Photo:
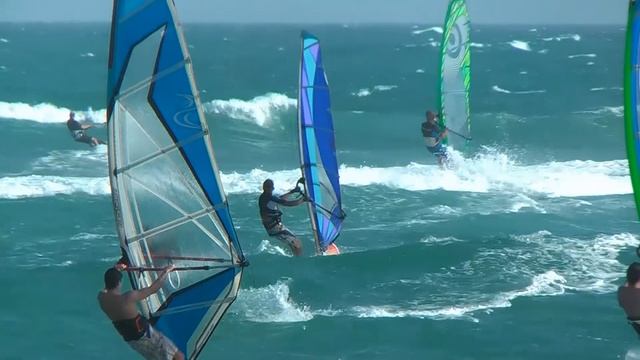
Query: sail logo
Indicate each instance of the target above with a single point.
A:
(188, 116)
(454, 45)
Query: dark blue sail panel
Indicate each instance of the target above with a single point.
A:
(168, 199)
(317, 146)
(178, 324)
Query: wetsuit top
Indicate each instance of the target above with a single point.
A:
(132, 329)
(431, 130)
(629, 300)
(73, 125)
(269, 211)
(431, 133)
(75, 128)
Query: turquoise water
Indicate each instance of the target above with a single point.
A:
(515, 254)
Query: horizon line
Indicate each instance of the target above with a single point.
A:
(320, 23)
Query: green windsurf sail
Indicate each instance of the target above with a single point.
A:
(455, 75)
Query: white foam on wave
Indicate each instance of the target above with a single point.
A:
(587, 265)
(546, 284)
(384, 87)
(377, 88)
(260, 110)
(582, 55)
(88, 54)
(439, 240)
(268, 247)
(615, 110)
(489, 171)
(436, 29)
(520, 45)
(420, 71)
(486, 172)
(48, 113)
(497, 88)
(522, 201)
(42, 186)
(479, 45)
(574, 37)
(362, 92)
(613, 88)
(72, 160)
(271, 303)
(580, 265)
(3, 40)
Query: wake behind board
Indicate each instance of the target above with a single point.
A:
(318, 149)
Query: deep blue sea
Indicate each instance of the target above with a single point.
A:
(514, 254)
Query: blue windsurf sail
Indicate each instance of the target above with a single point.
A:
(317, 146)
(169, 204)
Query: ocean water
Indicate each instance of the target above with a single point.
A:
(515, 254)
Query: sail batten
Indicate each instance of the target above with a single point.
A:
(168, 199)
(318, 159)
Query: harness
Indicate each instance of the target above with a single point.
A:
(431, 133)
(77, 134)
(132, 329)
(270, 217)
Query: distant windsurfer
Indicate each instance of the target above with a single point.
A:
(79, 133)
(135, 328)
(629, 296)
(433, 135)
(271, 214)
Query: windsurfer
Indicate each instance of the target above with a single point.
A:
(433, 135)
(271, 214)
(135, 328)
(78, 131)
(629, 296)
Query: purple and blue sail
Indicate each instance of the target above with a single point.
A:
(318, 147)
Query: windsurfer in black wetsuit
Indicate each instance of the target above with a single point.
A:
(433, 135)
(78, 131)
(629, 296)
(271, 214)
(123, 312)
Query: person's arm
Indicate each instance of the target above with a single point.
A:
(295, 202)
(137, 295)
(282, 199)
(284, 202)
(86, 126)
(444, 133)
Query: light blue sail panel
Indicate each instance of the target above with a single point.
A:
(317, 146)
(168, 199)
